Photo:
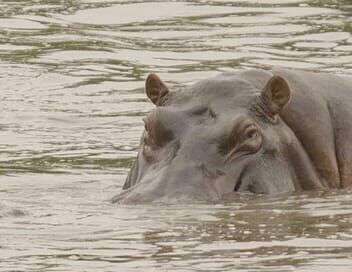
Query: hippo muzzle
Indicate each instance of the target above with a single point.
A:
(175, 183)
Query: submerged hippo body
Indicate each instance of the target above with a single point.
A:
(255, 131)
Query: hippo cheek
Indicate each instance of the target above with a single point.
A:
(232, 177)
(267, 177)
(259, 174)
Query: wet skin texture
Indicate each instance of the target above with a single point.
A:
(256, 131)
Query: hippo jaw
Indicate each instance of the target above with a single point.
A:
(217, 145)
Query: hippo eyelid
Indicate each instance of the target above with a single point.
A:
(147, 121)
(212, 113)
(156, 134)
(200, 110)
(244, 139)
(249, 130)
(241, 128)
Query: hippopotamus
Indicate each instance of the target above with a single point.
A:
(253, 131)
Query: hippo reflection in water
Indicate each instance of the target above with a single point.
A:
(256, 131)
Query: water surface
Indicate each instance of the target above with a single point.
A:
(72, 76)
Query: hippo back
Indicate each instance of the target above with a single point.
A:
(320, 114)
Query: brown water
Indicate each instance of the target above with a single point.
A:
(71, 79)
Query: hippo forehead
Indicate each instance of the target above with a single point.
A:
(220, 95)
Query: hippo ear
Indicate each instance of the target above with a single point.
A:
(155, 88)
(276, 95)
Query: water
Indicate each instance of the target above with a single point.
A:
(72, 101)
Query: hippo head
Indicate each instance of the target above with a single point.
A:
(218, 136)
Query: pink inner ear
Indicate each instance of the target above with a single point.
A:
(155, 88)
(277, 93)
(153, 81)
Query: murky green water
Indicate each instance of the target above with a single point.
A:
(71, 79)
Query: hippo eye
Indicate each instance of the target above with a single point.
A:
(155, 134)
(252, 139)
(148, 139)
(251, 134)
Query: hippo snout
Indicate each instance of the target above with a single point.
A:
(182, 184)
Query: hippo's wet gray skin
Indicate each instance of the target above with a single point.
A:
(255, 131)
